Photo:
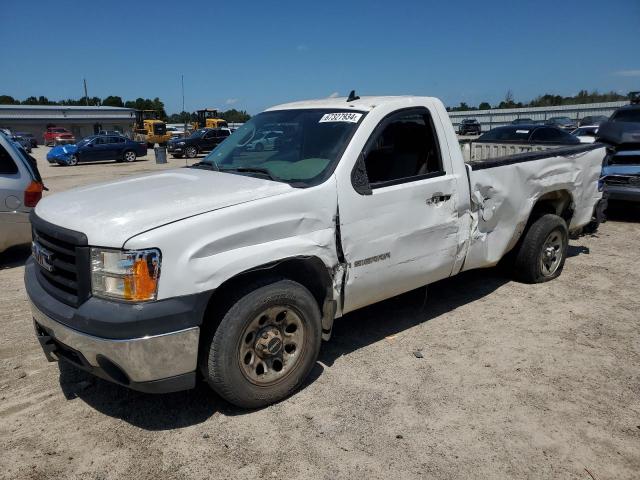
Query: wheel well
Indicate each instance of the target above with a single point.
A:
(310, 272)
(558, 202)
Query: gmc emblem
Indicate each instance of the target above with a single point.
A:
(42, 256)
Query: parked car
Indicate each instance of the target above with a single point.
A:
(564, 123)
(529, 134)
(593, 120)
(24, 142)
(586, 134)
(265, 140)
(621, 170)
(469, 126)
(176, 132)
(97, 148)
(201, 140)
(621, 175)
(20, 190)
(30, 137)
(110, 132)
(523, 121)
(58, 136)
(234, 269)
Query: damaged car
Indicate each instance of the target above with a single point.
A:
(234, 269)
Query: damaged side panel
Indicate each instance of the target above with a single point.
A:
(226, 242)
(504, 196)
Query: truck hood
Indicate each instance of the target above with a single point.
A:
(111, 213)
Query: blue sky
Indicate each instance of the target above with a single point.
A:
(250, 55)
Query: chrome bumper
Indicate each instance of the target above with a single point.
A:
(145, 359)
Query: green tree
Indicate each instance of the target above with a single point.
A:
(8, 100)
(235, 116)
(113, 101)
(484, 106)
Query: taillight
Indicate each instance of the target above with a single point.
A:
(33, 194)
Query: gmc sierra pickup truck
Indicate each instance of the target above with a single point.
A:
(234, 269)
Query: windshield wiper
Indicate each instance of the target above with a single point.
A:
(262, 171)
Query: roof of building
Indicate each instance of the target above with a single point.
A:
(49, 112)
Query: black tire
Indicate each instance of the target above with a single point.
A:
(529, 261)
(176, 156)
(220, 361)
(191, 152)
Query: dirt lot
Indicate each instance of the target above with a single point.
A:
(517, 381)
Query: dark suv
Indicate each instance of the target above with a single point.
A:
(469, 126)
(200, 141)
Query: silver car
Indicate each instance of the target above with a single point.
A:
(20, 190)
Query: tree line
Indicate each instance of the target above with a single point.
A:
(233, 115)
(546, 100)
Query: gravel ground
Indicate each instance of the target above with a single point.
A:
(515, 381)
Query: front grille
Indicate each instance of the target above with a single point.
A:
(617, 180)
(68, 280)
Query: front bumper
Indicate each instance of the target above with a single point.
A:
(151, 347)
(175, 149)
(629, 194)
(154, 364)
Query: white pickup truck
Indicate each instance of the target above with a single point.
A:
(234, 269)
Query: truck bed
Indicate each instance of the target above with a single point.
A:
(482, 151)
(504, 190)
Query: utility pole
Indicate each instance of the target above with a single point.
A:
(86, 95)
(183, 112)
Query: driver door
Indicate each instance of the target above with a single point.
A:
(398, 218)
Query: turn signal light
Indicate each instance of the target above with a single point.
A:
(33, 194)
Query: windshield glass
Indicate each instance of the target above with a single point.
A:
(198, 133)
(631, 115)
(296, 146)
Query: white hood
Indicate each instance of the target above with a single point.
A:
(110, 213)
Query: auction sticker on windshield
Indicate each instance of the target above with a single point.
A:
(341, 117)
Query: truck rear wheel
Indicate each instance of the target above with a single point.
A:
(543, 250)
(265, 345)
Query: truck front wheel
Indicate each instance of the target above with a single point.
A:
(265, 345)
(543, 250)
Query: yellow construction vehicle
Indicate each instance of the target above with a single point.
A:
(150, 129)
(209, 118)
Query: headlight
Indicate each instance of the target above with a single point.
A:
(180, 143)
(130, 275)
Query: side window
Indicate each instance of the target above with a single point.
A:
(7, 165)
(224, 133)
(100, 141)
(209, 135)
(403, 148)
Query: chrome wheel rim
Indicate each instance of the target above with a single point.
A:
(271, 346)
(191, 152)
(73, 160)
(552, 252)
(129, 156)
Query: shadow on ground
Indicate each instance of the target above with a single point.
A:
(372, 324)
(623, 211)
(14, 257)
(354, 331)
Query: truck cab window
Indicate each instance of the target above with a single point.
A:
(404, 148)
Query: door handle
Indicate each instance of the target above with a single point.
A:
(438, 198)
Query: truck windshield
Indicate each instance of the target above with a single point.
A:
(295, 146)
